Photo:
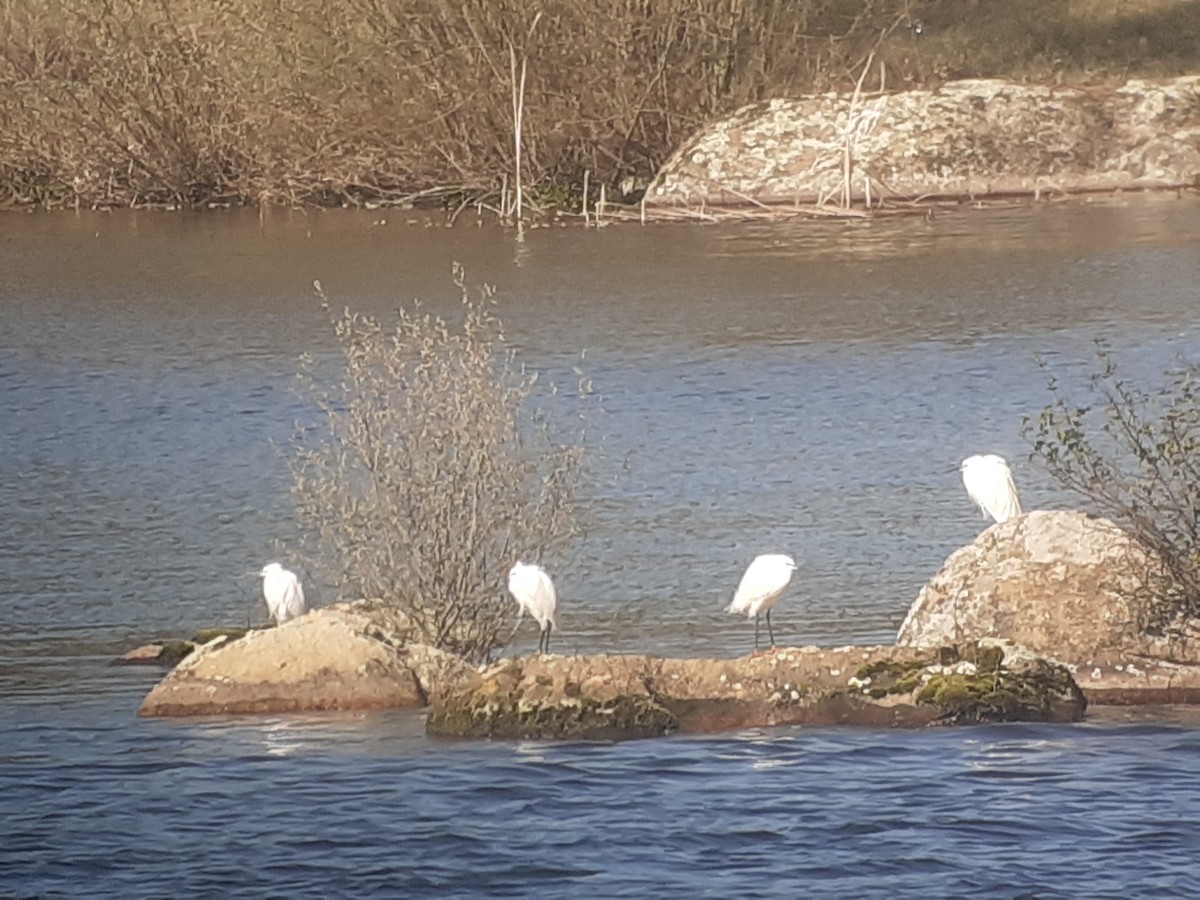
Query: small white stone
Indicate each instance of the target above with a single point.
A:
(1096, 673)
(737, 686)
(835, 672)
(795, 695)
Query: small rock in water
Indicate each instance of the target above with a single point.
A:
(168, 653)
(146, 655)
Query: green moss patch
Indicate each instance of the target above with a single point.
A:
(887, 676)
(985, 691)
(1038, 692)
(174, 651)
(476, 714)
(204, 635)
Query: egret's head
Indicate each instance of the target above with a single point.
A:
(270, 568)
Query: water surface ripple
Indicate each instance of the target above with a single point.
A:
(807, 388)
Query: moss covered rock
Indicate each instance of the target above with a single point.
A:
(985, 681)
(602, 697)
(615, 697)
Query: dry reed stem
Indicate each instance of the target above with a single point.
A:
(586, 174)
(852, 134)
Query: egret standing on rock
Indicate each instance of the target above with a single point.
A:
(989, 483)
(283, 593)
(533, 590)
(761, 587)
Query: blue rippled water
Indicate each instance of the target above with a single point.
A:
(807, 388)
(353, 805)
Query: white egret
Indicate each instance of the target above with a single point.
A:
(534, 592)
(989, 484)
(283, 593)
(761, 587)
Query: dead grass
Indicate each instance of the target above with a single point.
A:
(137, 102)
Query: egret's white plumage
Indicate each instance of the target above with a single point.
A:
(765, 580)
(534, 592)
(989, 483)
(283, 593)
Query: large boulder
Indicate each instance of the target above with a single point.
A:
(1068, 586)
(332, 658)
(969, 138)
(613, 697)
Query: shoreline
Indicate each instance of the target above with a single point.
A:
(926, 207)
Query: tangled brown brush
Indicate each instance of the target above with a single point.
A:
(433, 475)
(1135, 455)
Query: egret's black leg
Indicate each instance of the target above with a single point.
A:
(756, 634)
(769, 631)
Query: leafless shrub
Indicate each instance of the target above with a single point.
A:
(1136, 457)
(430, 479)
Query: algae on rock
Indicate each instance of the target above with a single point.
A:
(972, 684)
(614, 697)
(581, 719)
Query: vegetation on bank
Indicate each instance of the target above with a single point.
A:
(149, 102)
(430, 473)
(1135, 456)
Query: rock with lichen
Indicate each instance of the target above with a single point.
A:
(1071, 588)
(1068, 586)
(972, 138)
(615, 697)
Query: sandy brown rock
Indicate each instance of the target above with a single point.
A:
(1062, 583)
(436, 670)
(974, 138)
(614, 697)
(145, 655)
(1118, 679)
(170, 652)
(327, 659)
